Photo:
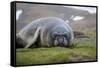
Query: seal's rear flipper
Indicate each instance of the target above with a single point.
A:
(20, 43)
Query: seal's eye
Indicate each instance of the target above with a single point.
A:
(54, 34)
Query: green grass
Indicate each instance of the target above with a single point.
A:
(78, 53)
(84, 49)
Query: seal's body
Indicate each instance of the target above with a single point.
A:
(49, 31)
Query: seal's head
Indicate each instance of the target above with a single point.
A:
(60, 37)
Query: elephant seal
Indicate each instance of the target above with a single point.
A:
(47, 32)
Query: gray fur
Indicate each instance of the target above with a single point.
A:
(43, 28)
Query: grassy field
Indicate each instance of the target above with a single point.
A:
(84, 50)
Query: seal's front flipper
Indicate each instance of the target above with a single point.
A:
(36, 34)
